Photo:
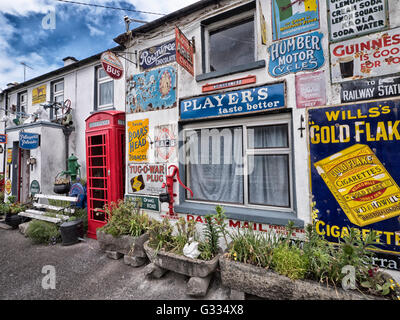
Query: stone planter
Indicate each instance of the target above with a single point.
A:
(199, 270)
(131, 248)
(270, 285)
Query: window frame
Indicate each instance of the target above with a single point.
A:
(22, 105)
(259, 120)
(57, 93)
(99, 81)
(227, 23)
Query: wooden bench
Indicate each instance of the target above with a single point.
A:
(46, 208)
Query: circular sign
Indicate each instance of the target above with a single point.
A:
(165, 143)
(112, 65)
(7, 186)
(35, 187)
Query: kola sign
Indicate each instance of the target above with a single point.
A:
(112, 65)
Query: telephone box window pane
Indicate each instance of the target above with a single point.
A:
(98, 172)
(97, 183)
(97, 151)
(98, 194)
(96, 140)
(232, 46)
(269, 180)
(97, 161)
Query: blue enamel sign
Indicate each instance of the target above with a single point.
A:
(158, 55)
(290, 17)
(28, 140)
(249, 100)
(3, 138)
(355, 172)
(302, 53)
(151, 90)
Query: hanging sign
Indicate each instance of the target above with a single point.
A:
(8, 186)
(228, 84)
(354, 178)
(112, 65)
(29, 140)
(364, 57)
(35, 187)
(146, 202)
(310, 89)
(264, 98)
(152, 90)
(302, 53)
(3, 138)
(354, 18)
(145, 178)
(9, 156)
(369, 89)
(39, 94)
(166, 144)
(292, 17)
(138, 131)
(157, 55)
(184, 51)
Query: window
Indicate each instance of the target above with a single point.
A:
(240, 164)
(22, 103)
(229, 40)
(104, 89)
(58, 91)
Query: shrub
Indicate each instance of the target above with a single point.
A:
(43, 232)
(290, 261)
(126, 219)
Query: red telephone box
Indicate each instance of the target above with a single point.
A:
(105, 164)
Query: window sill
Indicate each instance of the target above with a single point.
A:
(243, 214)
(241, 68)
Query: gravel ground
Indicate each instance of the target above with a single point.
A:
(83, 272)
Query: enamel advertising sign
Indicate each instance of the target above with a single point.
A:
(184, 51)
(138, 142)
(39, 94)
(146, 178)
(263, 98)
(354, 18)
(157, 55)
(28, 140)
(302, 53)
(354, 178)
(112, 65)
(293, 17)
(310, 89)
(364, 57)
(151, 90)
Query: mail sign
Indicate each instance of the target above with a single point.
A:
(264, 98)
(29, 140)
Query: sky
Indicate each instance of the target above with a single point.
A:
(41, 33)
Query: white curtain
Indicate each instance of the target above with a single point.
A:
(216, 164)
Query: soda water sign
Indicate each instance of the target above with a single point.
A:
(302, 53)
(28, 140)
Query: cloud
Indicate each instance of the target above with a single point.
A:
(94, 31)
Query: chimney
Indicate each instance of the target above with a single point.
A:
(69, 60)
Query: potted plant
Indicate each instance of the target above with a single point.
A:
(11, 210)
(279, 268)
(61, 185)
(125, 232)
(186, 251)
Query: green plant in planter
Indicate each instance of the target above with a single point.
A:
(43, 232)
(11, 199)
(126, 219)
(290, 261)
(4, 208)
(16, 208)
(160, 235)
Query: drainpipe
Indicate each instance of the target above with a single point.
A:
(67, 132)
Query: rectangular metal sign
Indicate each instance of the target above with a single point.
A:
(184, 51)
(354, 173)
(290, 17)
(157, 55)
(354, 18)
(310, 89)
(146, 178)
(29, 140)
(138, 143)
(146, 202)
(364, 57)
(263, 98)
(3, 138)
(369, 89)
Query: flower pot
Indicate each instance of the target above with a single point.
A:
(122, 244)
(271, 285)
(71, 231)
(13, 220)
(181, 264)
(62, 188)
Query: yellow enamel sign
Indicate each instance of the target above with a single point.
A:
(39, 94)
(360, 183)
(138, 141)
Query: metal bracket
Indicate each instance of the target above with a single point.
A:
(301, 128)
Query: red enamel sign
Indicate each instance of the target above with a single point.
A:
(112, 65)
(184, 51)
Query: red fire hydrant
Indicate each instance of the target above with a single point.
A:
(169, 195)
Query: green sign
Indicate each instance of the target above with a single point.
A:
(35, 187)
(146, 202)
